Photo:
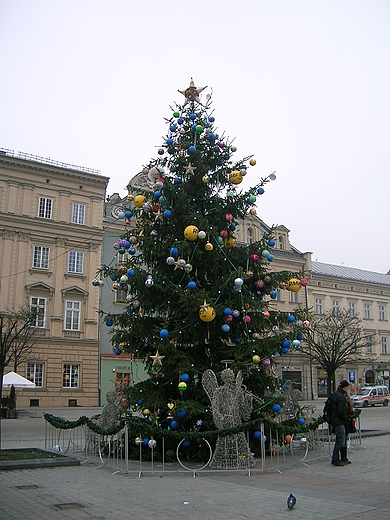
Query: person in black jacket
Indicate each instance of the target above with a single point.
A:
(339, 419)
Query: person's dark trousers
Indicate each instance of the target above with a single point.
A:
(339, 444)
(344, 458)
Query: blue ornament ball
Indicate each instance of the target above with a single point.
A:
(212, 138)
(109, 322)
(300, 337)
(301, 420)
(193, 127)
(174, 425)
(186, 443)
(291, 318)
(131, 273)
(276, 408)
(191, 150)
(211, 119)
(191, 286)
(185, 378)
(257, 435)
(167, 214)
(260, 191)
(172, 128)
(117, 351)
(145, 441)
(270, 257)
(285, 350)
(286, 343)
(128, 214)
(271, 242)
(227, 311)
(181, 413)
(164, 333)
(169, 141)
(157, 194)
(113, 277)
(174, 251)
(225, 328)
(192, 117)
(176, 180)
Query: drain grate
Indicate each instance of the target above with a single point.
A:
(71, 505)
(28, 486)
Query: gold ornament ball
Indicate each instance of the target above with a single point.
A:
(294, 285)
(253, 211)
(209, 246)
(182, 386)
(252, 162)
(256, 358)
(230, 242)
(205, 179)
(139, 201)
(235, 177)
(206, 314)
(191, 233)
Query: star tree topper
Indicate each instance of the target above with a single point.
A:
(192, 93)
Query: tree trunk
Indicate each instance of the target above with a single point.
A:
(330, 383)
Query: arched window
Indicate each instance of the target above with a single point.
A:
(370, 379)
(281, 244)
(249, 236)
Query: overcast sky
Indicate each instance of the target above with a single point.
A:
(302, 85)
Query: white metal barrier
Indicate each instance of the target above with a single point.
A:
(112, 451)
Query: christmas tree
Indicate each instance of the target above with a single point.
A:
(198, 302)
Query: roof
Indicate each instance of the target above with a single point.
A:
(350, 273)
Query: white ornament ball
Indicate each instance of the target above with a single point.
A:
(201, 235)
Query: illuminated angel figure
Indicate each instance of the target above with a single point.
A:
(230, 405)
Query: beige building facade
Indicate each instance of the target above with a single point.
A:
(51, 229)
(330, 288)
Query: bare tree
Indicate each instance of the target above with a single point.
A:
(17, 337)
(334, 340)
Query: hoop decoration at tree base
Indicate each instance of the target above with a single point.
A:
(191, 469)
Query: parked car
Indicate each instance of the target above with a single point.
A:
(371, 395)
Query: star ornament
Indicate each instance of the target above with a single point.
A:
(192, 93)
(190, 169)
(157, 359)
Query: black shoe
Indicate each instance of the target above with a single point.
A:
(346, 461)
(336, 462)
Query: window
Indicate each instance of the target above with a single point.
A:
(41, 257)
(367, 311)
(120, 296)
(280, 242)
(249, 236)
(319, 306)
(38, 307)
(72, 315)
(70, 376)
(35, 373)
(122, 259)
(122, 380)
(293, 297)
(75, 263)
(336, 307)
(352, 309)
(369, 345)
(44, 209)
(78, 212)
(382, 312)
(384, 344)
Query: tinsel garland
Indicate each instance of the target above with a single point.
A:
(142, 427)
(64, 424)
